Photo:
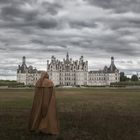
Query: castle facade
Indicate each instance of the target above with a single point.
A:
(70, 73)
(27, 75)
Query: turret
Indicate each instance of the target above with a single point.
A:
(112, 60)
(112, 67)
(23, 60)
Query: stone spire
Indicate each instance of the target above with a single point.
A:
(67, 57)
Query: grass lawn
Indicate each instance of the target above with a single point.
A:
(84, 114)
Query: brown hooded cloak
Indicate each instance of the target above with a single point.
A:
(43, 117)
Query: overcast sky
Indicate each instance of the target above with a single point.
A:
(97, 29)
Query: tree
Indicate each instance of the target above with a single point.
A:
(123, 77)
(134, 78)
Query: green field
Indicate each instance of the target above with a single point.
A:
(84, 114)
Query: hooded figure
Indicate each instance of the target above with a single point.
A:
(43, 117)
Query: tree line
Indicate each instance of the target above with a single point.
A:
(123, 78)
(126, 81)
(10, 83)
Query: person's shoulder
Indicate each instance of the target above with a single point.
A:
(47, 83)
(38, 82)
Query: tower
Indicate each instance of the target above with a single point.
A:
(23, 66)
(112, 60)
(23, 60)
(67, 57)
(112, 67)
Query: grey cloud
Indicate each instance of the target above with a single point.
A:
(7, 1)
(47, 43)
(9, 68)
(49, 23)
(82, 24)
(44, 24)
(120, 6)
(118, 47)
(14, 17)
(37, 41)
(117, 23)
(107, 44)
(126, 62)
(13, 1)
(5, 72)
(32, 50)
(2, 48)
(11, 10)
(125, 23)
(52, 8)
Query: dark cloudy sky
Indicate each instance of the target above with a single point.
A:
(97, 29)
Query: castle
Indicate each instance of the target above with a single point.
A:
(70, 73)
(27, 75)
